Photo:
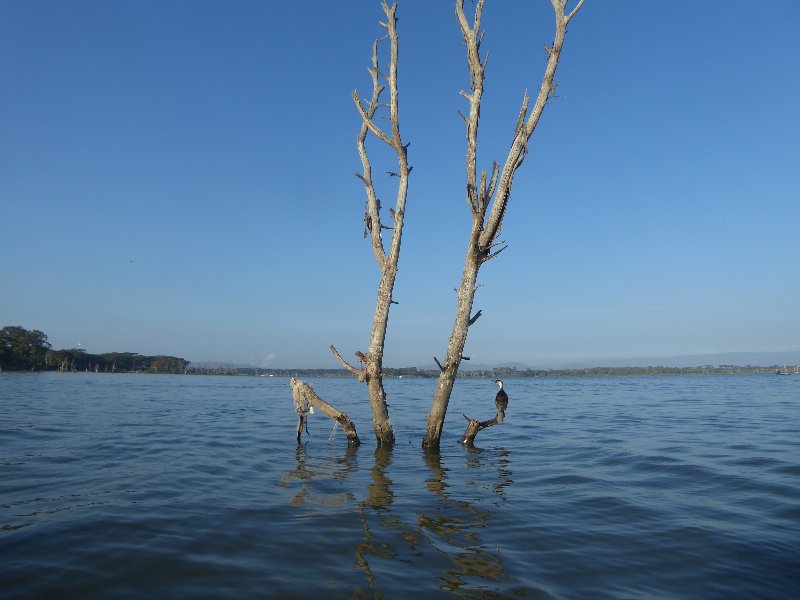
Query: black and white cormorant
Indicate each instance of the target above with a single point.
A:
(501, 400)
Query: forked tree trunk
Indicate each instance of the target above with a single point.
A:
(474, 427)
(494, 190)
(305, 397)
(372, 371)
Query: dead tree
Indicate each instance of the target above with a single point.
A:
(306, 399)
(474, 427)
(372, 371)
(489, 194)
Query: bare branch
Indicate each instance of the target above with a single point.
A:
(476, 25)
(372, 217)
(475, 317)
(574, 11)
(438, 364)
(368, 121)
(493, 254)
(521, 156)
(357, 372)
(519, 149)
(523, 112)
(488, 191)
(472, 37)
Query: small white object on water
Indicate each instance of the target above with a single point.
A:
(333, 432)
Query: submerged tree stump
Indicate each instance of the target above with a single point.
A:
(306, 399)
(474, 427)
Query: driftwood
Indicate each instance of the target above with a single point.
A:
(474, 427)
(306, 399)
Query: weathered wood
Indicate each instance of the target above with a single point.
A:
(360, 373)
(305, 398)
(519, 147)
(474, 427)
(302, 423)
(481, 193)
(372, 372)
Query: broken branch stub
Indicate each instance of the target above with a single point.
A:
(305, 398)
(474, 427)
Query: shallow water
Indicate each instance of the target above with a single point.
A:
(179, 486)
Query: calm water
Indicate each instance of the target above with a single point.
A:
(128, 486)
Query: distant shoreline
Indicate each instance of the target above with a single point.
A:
(504, 372)
(417, 373)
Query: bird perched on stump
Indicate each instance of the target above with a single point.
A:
(501, 400)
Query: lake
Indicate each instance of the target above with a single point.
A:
(131, 486)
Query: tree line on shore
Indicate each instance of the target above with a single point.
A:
(28, 350)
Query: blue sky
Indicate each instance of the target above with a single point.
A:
(176, 177)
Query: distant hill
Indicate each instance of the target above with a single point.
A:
(739, 359)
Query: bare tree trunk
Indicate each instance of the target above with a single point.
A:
(495, 189)
(372, 371)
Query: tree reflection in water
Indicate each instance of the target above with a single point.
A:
(444, 541)
(477, 460)
(415, 538)
(379, 500)
(453, 531)
(338, 468)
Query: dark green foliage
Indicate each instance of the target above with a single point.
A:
(23, 350)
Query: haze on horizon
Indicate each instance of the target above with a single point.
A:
(177, 178)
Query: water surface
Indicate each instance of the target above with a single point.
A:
(179, 486)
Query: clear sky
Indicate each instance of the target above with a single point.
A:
(176, 177)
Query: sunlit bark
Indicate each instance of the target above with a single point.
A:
(305, 398)
(487, 194)
(372, 370)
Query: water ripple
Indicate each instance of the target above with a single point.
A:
(128, 486)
